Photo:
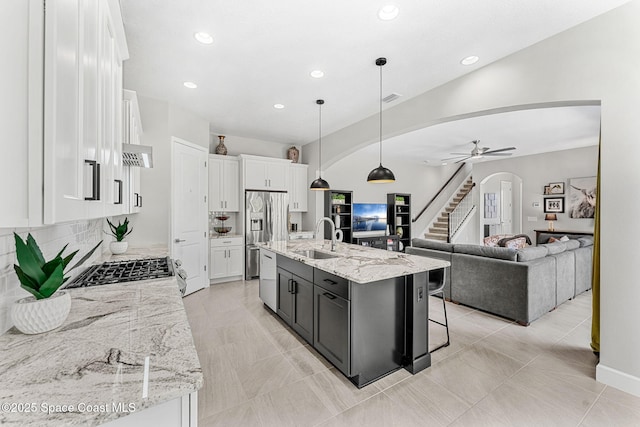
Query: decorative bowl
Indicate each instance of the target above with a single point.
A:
(222, 230)
(222, 217)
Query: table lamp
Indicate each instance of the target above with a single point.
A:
(550, 218)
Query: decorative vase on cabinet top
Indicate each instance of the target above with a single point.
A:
(221, 148)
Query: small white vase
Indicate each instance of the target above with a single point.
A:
(35, 316)
(118, 248)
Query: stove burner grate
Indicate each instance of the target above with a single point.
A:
(124, 271)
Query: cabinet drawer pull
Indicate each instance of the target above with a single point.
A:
(328, 295)
(329, 281)
(119, 200)
(95, 180)
(289, 285)
(267, 256)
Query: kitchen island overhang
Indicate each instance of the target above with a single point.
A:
(369, 306)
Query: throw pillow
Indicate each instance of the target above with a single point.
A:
(564, 238)
(517, 243)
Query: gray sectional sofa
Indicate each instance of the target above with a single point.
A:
(519, 284)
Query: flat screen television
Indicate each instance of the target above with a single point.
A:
(369, 219)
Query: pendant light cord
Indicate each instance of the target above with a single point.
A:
(381, 115)
(320, 140)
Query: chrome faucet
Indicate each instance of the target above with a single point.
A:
(333, 231)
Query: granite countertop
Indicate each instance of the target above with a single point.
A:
(224, 236)
(155, 251)
(357, 263)
(96, 360)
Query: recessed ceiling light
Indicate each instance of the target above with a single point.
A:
(190, 85)
(444, 163)
(316, 74)
(388, 12)
(204, 38)
(278, 106)
(469, 60)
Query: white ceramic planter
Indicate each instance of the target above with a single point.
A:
(35, 316)
(118, 248)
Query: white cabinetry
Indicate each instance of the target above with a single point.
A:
(84, 50)
(132, 129)
(298, 189)
(224, 183)
(226, 259)
(263, 173)
(21, 109)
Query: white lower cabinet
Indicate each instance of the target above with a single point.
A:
(225, 259)
(179, 412)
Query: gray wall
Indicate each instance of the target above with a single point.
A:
(539, 170)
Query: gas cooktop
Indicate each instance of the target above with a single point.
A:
(124, 271)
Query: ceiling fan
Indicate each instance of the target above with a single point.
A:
(479, 152)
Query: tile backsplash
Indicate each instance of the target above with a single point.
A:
(81, 235)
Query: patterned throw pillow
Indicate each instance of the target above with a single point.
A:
(517, 243)
(493, 240)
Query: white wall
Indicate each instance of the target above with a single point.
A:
(596, 60)
(161, 121)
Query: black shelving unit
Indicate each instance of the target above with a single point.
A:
(399, 217)
(344, 211)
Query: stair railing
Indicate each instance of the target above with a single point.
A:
(459, 214)
(438, 193)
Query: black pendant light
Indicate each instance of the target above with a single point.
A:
(381, 175)
(319, 184)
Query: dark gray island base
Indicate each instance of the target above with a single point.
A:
(365, 329)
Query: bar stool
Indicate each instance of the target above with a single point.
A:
(436, 286)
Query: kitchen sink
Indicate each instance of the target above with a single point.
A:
(313, 254)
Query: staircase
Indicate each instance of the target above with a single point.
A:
(439, 230)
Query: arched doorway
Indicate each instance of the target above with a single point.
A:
(500, 204)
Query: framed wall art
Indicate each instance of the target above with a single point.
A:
(554, 205)
(556, 188)
(582, 197)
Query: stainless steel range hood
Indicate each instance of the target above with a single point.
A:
(137, 155)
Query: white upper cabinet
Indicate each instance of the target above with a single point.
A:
(263, 173)
(84, 50)
(132, 131)
(298, 188)
(21, 44)
(224, 183)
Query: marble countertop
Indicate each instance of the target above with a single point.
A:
(214, 236)
(357, 263)
(96, 359)
(155, 251)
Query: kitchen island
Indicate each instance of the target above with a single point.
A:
(365, 310)
(125, 349)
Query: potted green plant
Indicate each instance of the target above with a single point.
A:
(46, 309)
(337, 199)
(400, 200)
(119, 246)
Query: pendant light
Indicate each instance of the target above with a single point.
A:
(381, 175)
(319, 184)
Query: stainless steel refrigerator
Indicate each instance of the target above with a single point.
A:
(266, 219)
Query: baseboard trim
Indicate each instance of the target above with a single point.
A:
(617, 379)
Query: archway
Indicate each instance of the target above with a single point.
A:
(500, 203)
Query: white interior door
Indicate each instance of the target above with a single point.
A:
(189, 211)
(506, 207)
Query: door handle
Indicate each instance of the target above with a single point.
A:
(139, 201)
(293, 286)
(137, 197)
(179, 240)
(328, 295)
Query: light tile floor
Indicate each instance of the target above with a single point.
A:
(258, 372)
